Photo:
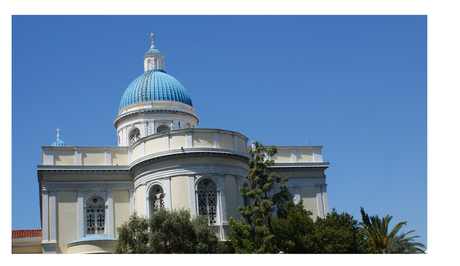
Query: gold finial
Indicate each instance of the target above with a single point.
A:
(151, 37)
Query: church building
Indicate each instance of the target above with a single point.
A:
(163, 160)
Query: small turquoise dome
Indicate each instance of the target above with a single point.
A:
(155, 85)
(58, 142)
(153, 50)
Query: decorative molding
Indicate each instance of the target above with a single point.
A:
(199, 169)
(199, 151)
(311, 165)
(155, 110)
(88, 186)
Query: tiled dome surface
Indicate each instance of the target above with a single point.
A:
(58, 142)
(155, 85)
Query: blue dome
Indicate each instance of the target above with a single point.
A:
(153, 50)
(155, 85)
(58, 142)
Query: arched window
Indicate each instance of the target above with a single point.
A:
(156, 198)
(95, 215)
(135, 135)
(163, 128)
(207, 200)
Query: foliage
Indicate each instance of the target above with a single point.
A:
(266, 190)
(401, 245)
(241, 237)
(132, 236)
(167, 232)
(293, 228)
(337, 233)
(296, 232)
(375, 230)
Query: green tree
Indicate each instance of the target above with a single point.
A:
(241, 237)
(167, 232)
(266, 190)
(375, 231)
(336, 233)
(293, 228)
(133, 236)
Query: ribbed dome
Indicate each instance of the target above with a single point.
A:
(155, 85)
(58, 142)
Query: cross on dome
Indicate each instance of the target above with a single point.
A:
(151, 37)
(58, 142)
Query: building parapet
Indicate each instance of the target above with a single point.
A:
(150, 146)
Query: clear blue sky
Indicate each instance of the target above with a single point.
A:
(357, 85)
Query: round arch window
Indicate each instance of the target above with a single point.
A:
(135, 135)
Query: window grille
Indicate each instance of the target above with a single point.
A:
(163, 128)
(95, 216)
(135, 135)
(207, 200)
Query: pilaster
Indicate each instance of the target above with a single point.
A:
(167, 188)
(223, 206)
(110, 221)
(146, 199)
(325, 203)
(52, 222)
(81, 214)
(166, 142)
(108, 157)
(192, 193)
(45, 215)
(131, 201)
(78, 157)
(189, 139)
(216, 140)
(319, 201)
(293, 156)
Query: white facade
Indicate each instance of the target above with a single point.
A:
(162, 160)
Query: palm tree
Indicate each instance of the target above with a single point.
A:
(401, 244)
(376, 231)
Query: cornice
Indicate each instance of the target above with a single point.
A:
(196, 169)
(153, 110)
(168, 154)
(300, 166)
(79, 168)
